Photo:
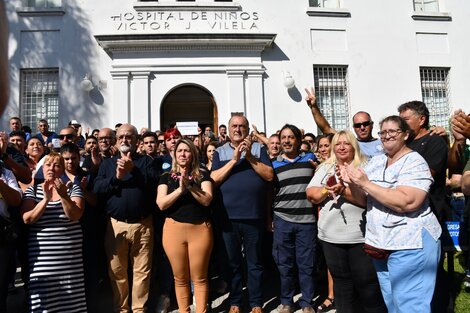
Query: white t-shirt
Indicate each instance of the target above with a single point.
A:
(10, 179)
(341, 222)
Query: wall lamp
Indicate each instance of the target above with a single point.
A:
(87, 83)
(289, 81)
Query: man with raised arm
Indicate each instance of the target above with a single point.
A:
(362, 125)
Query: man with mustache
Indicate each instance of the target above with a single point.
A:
(242, 170)
(126, 185)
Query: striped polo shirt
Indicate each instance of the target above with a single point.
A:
(292, 178)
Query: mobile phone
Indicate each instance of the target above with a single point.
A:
(331, 181)
(55, 143)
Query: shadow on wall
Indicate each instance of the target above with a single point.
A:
(276, 54)
(65, 42)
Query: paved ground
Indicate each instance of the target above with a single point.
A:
(17, 302)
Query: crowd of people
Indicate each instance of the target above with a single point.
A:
(156, 217)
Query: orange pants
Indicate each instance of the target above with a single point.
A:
(188, 247)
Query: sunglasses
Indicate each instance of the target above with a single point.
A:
(359, 125)
(68, 136)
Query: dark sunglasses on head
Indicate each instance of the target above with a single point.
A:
(68, 136)
(365, 124)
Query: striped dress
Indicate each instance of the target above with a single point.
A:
(56, 281)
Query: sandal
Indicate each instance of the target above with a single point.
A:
(326, 307)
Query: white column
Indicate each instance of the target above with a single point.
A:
(140, 100)
(255, 108)
(120, 106)
(236, 91)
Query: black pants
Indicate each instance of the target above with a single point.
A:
(7, 256)
(355, 282)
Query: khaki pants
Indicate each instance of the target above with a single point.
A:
(126, 241)
(188, 247)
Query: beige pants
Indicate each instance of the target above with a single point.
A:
(188, 247)
(132, 242)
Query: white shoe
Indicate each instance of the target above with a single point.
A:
(163, 304)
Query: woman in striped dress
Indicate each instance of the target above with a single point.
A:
(51, 210)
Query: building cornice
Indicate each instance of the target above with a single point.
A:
(328, 12)
(142, 43)
(31, 11)
(432, 16)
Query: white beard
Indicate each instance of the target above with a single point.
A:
(124, 149)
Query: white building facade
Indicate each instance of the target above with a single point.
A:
(154, 63)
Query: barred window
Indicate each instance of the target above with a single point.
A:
(435, 92)
(426, 5)
(42, 3)
(324, 3)
(39, 97)
(331, 90)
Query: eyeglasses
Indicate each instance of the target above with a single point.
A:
(390, 132)
(104, 138)
(359, 125)
(160, 141)
(68, 136)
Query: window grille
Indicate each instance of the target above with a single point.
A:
(324, 3)
(332, 94)
(435, 92)
(39, 97)
(426, 5)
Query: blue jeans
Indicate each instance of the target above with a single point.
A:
(407, 278)
(294, 244)
(246, 234)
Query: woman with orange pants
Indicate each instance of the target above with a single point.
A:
(184, 194)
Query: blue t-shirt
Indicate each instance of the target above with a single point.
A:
(371, 148)
(243, 193)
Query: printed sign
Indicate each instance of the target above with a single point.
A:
(187, 128)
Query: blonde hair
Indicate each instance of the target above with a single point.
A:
(358, 159)
(57, 157)
(195, 170)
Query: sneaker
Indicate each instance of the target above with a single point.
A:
(283, 308)
(163, 304)
(234, 309)
(257, 309)
(466, 281)
(308, 309)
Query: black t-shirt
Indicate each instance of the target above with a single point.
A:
(434, 150)
(186, 209)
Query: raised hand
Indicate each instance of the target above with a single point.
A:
(83, 183)
(3, 142)
(95, 155)
(247, 142)
(124, 165)
(60, 187)
(461, 124)
(47, 189)
(310, 98)
(356, 176)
